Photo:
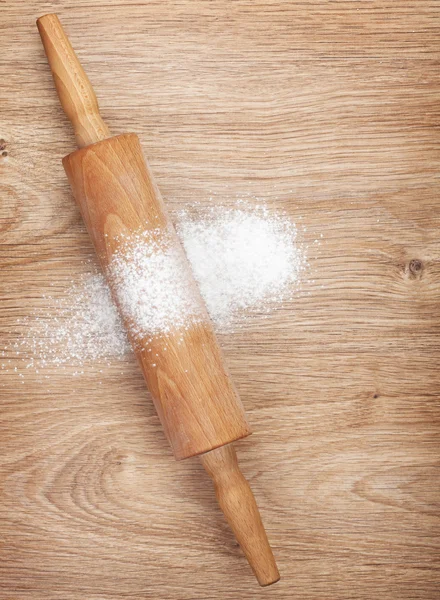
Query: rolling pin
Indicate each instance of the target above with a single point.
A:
(195, 399)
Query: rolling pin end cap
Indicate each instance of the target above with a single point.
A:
(269, 581)
(48, 17)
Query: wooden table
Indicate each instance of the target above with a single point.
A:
(329, 110)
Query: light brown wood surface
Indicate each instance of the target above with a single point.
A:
(329, 110)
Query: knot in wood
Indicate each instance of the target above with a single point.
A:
(415, 268)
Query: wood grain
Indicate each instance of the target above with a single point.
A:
(328, 110)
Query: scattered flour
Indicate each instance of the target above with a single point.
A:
(82, 325)
(246, 261)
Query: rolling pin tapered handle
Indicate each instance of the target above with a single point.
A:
(238, 504)
(74, 89)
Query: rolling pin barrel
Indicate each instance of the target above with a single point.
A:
(193, 394)
(183, 367)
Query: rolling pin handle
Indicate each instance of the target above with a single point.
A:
(74, 89)
(238, 504)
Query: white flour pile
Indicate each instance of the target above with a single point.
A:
(150, 276)
(246, 261)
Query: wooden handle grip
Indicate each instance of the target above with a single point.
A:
(238, 504)
(74, 89)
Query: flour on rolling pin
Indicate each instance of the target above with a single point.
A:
(150, 275)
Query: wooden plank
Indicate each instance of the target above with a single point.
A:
(330, 111)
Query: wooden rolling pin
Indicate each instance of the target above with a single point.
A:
(192, 392)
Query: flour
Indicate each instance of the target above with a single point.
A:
(246, 260)
(84, 325)
(150, 276)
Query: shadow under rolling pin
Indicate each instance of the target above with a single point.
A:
(193, 394)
